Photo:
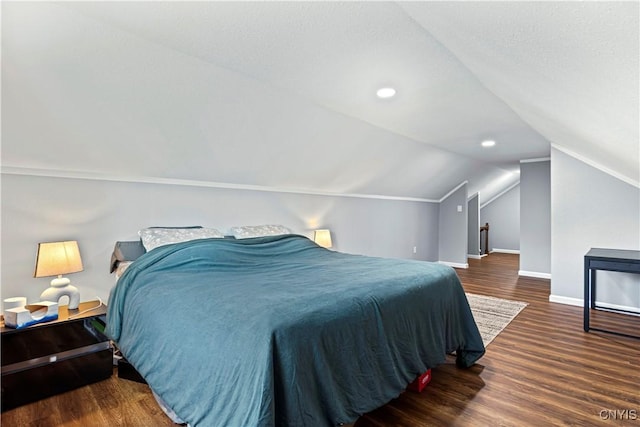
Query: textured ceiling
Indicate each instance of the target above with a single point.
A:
(569, 69)
(337, 55)
(283, 94)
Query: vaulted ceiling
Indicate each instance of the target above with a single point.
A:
(283, 94)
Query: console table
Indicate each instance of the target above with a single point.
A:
(623, 261)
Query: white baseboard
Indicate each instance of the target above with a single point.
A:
(566, 300)
(505, 251)
(635, 311)
(580, 303)
(535, 274)
(473, 256)
(454, 264)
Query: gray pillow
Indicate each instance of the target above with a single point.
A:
(126, 251)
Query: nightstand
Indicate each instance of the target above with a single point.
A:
(50, 358)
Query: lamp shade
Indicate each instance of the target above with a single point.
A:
(58, 258)
(322, 238)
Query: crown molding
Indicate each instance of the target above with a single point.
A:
(500, 194)
(452, 191)
(539, 159)
(95, 176)
(598, 166)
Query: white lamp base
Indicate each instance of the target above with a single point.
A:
(54, 293)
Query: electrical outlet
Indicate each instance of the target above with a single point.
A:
(415, 249)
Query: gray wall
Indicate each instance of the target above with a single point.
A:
(591, 209)
(535, 217)
(473, 226)
(503, 216)
(453, 228)
(97, 213)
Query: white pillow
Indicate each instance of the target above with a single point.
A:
(249, 231)
(121, 268)
(155, 237)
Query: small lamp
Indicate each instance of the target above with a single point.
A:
(56, 259)
(322, 238)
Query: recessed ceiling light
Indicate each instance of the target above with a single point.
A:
(386, 92)
(488, 143)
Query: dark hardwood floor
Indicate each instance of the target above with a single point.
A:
(542, 370)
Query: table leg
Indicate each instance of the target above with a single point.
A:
(593, 288)
(587, 296)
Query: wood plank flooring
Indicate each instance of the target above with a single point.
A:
(542, 370)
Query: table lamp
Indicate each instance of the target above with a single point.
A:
(322, 238)
(56, 259)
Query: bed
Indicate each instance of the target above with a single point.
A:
(278, 331)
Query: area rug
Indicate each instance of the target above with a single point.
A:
(492, 314)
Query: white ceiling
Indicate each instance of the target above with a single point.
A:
(294, 82)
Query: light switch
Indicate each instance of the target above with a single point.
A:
(459, 208)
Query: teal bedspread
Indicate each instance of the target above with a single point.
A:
(277, 331)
